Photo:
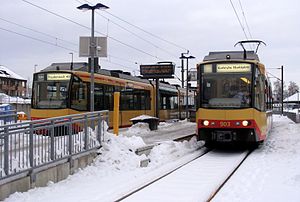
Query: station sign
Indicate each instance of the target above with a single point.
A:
(234, 67)
(163, 70)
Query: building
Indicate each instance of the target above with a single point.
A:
(292, 102)
(11, 83)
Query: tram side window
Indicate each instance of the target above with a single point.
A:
(134, 99)
(259, 87)
(103, 97)
(141, 98)
(108, 97)
(267, 96)
(168, 101)
(79, 95)
(145, 100)
(164, 102)
(126, 101)
(270, 98)
(173, 102)
(99, 98)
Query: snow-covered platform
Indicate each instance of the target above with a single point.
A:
(167, 131)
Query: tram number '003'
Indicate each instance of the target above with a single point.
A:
(224, 123)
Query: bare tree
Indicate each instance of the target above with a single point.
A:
(277, 90)
(292, 88)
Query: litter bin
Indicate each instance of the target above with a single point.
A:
(152, 121)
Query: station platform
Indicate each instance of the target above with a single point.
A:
(167, 131)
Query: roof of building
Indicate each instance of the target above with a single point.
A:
(7, 73)
(292, 98)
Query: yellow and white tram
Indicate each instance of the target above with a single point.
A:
(59, 92)
(234, 99)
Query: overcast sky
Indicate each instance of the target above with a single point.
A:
(199, 26)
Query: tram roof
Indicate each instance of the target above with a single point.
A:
(83, 66)
(231, 55)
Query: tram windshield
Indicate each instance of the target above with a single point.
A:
(226, 90)
(50, 91)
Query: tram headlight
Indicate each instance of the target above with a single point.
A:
(245, 123)
(205, 123)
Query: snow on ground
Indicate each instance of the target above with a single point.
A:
(271, 173)
(116, 171)
(8, 99)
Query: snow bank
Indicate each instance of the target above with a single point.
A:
(114, 172)
(8, 99)
(272, 172)
(171, 151)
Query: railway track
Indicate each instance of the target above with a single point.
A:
(204, 151)
(199, 179)
(229, 176)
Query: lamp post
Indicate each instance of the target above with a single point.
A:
(282, 90)
(182, 67)
(187, 82)
(86, 7)
(71, 66)
(281, 80)
(34, 69)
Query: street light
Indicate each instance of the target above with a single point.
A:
(71, 66)
(86, 7)
(281, 68)
(298, 104)
(34, 69)
(182, 67)
(281, 90)
(187, 81)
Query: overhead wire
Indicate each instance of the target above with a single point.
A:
(247, 26)
(36, 39)
(134, 62)
(63, 47)
(119, 41)
(245, 19)
(33, 30)
(136, 35)
(65, 18)
(124, 66)
(131, 32)
(238, 18)
(147, 32)
(51, 36)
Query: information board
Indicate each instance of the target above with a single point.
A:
(157, 70)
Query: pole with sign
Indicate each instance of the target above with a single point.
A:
(157, 71)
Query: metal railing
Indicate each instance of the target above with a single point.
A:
(28, 145)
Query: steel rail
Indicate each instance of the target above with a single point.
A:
(161, 177)
(229, 176)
